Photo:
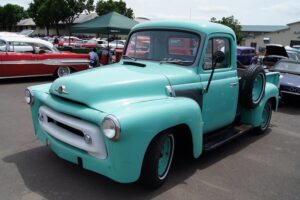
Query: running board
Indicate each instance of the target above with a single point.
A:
(216, 139)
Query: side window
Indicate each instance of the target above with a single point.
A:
(21, 47)
(40, 49)
(217, 44)
(2, 45)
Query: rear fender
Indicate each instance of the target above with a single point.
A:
(254, 116)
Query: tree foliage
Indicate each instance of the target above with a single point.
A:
(103, 7)
(10, 15)
(37, 10)
(46, 13)
(233, 23)
(75, 7)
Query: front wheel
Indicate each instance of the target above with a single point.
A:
(158, 160)
(266, 118)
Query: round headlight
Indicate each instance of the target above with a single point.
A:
(28, 97)
(111, 127)
(280, 76)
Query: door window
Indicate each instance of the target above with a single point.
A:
(217, 44)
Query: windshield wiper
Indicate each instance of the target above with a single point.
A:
(179, 62)
(128, 57)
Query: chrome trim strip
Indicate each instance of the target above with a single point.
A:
(170, 91)
(290, 93)
(48, 62)
(9, 77)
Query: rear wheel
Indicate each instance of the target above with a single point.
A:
(158, 160)
(63, 71)
(266, 118)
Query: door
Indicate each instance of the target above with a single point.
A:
(2, 53)
(221, 99)
(18, 61)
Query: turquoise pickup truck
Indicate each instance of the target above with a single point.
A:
(177, 88)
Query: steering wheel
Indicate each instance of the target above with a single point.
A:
(207, 64)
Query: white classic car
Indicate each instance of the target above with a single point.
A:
(22, 56)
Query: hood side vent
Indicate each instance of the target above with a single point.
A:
(134, 63)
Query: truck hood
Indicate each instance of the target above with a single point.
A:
(112, 86)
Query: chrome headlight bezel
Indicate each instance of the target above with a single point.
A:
(111, 127)
(29, 99)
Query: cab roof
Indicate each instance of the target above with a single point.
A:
(198, 27)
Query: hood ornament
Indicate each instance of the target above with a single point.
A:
(61, 90)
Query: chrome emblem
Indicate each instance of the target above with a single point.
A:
(88, 139)
(61, 90)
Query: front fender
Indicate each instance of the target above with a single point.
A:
(254, 116)
(141, 122)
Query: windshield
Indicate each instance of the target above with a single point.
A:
(293, 55)
(26, 32)
(174, 47)
(288, 67)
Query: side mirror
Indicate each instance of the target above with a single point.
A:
(218, 57)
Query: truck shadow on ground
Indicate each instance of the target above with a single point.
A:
(26, 80)
(54, 178)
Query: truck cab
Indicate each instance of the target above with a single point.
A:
(182, 90)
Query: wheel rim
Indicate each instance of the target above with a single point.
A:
(258, 88)
(266, 115)
(63, 71)
(166, 155)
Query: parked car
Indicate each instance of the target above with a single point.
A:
(289, 77)
(85, 44)
(276, 52)
(116, 44)
(293, 53)
(24, 56)
(68, 41)
(246, 55)
(126, 121)
(273, 53)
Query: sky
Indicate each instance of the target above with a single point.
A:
(250, 12)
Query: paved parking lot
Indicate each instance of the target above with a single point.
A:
(251, 167)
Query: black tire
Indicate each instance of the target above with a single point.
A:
(252, 75)
(266, 119)
(150, 176)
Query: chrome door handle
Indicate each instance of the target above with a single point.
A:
(233, 84)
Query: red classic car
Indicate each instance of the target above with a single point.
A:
(24, 57)
(68, 41)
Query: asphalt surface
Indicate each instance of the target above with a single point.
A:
(251, 167)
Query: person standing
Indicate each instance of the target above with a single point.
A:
(94, 58)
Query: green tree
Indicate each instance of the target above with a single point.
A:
(57, 10)
(11, 14)
(38, 11)
(1, 17)
(103, 7)
(47, 13)
(74, 8)
(234, 24)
